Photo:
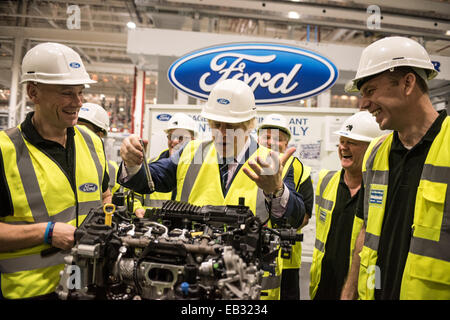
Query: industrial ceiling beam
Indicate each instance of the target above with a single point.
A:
(320, 15)
(108, 39)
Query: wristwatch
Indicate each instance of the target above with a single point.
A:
(279, 192)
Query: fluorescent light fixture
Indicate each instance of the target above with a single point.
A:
(293, 15)
(131, 25)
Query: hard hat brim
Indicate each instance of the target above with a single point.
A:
(60, 82)
(226, 119)
(283, 129)
(353, 136)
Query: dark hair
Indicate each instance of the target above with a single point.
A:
(400, 72)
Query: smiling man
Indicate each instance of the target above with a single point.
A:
(51, 174)
(336, 198)
(404, 244)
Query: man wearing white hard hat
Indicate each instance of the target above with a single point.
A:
(180, 130)
(337, 194)
(94, 117)
(274, 133)
(53, 173)
(404, 244)
(233, 165)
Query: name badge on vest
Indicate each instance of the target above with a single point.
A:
(376, 196)
(322, 215)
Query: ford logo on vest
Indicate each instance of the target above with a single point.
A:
(88, 187)
(276, 73)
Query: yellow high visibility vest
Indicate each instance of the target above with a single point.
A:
(427, 269)
(41, 192)
(113, 168)
(326, 193)
(301, 173)
(198, 182)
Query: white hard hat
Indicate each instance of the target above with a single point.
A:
(230, 101)
(95, 114)
(361, 126)
(278, 121)
(54, 63)
(389, 53)
(181, 121)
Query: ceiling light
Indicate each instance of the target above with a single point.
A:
(293, 15)
(447, 33)
(131, 25)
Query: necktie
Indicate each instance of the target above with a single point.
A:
(223, 168)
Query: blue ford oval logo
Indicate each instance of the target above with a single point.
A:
(276, 73)
(223, 101)
(74, 65)
(88, 187)
(163, 117)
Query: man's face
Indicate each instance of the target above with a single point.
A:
(177, 138)
(274, 139)
(351, 153)
(229, 138)
(57, 104)
(384, 101)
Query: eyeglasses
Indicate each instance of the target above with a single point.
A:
(179, 138)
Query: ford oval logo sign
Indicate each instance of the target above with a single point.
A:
(276, 73)
(163, 117)
(88, 187)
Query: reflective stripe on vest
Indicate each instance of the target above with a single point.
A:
(113, 168)
(153, 203)
(301, 174)
(194, 169)
(26, 170)
(438, 248)
(94, 156)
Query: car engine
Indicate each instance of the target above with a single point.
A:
(177, 252)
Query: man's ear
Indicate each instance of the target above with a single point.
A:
(33, 91)
(409, 82)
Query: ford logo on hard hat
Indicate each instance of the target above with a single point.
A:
(223, 101)
(74, 65)
(88, 187)
(276, 73)
(163, 117)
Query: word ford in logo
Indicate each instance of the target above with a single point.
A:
(223, 101)
(163, 117)
(74, 65)
(88, 187)
(276, 73)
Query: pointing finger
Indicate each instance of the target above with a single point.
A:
(289, 152)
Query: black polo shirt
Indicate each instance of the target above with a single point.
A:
(307, 192)
(64, 157)
(405, 169)
(335, 262)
